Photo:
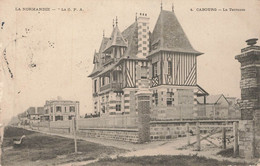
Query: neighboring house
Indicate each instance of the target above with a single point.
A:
(161, 61)
(34, 114)
(213, 107)
(234, 111)
(55, 110)
(23, 119)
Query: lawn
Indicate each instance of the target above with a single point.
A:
(164, 161)
(41, 149)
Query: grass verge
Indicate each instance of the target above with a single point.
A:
(164, 160)
(41, 149)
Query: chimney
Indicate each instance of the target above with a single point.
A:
(143, 35)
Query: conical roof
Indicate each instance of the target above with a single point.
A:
(116, 39)
(168, 35)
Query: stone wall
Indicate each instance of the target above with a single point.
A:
(249, 126)
(168, 130)
(144, 111)
(164, 130)
(130, 135)
(246, 138)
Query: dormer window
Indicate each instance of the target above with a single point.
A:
(155, 45)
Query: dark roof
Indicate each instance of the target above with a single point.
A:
(116, 39)
(103, 44)
(168, 35)
(31, 110)
(40, 110)
(98, 57)
(131, 35)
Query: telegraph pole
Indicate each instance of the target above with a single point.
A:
(74, 132)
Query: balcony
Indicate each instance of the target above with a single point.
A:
(105, 87)
(112, 86)
(117, 87)
(108, 60)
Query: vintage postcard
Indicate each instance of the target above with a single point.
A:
(141, 82)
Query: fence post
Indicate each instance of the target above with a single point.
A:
(235, 134)
(49, 126)
(224, 137)
(74, 132)
(198, 135)
(188, 132)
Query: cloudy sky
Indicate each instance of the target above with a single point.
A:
(50, 53)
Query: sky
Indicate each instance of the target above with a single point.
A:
(50, 53)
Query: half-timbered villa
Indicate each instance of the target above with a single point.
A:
(162, 61)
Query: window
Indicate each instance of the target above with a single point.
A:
(114, 76)
(72, 109)
(103, 109)
(143, 72)
(46, 111)
(95, 86)
(156, 98)
(103, 81)
(169, 67)
(155, 70)
(118, 107)
(51, 109)
(170, 98)
(58, 118)
(58, 109)
(65, 109)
